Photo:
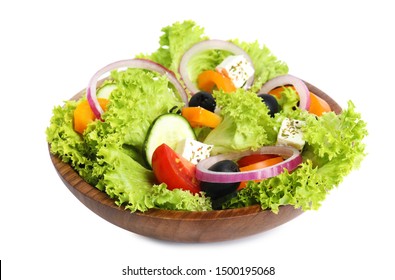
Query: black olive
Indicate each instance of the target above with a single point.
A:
(218, 202)
(175, 110)
(271, 103)
(216, 190)
(204, 100)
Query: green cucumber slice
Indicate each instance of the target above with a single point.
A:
(105, 91)
(169, 129)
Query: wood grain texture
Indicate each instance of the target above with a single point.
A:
(180, 226)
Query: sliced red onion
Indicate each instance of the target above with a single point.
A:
(299, 85)
(292, 155)
(205, 46)
(130, 63)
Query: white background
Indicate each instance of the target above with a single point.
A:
(50, 49)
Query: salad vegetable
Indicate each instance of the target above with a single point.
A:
(173, 170)
(204, 100)
(318, 106)
(198, 117)
(220, 189)
(131, 64)
(246, 123)
(202, 66)
(259, 165)
(106, 90)
(300, 87)
(210, 79)
(83, 114)
(271, 103)
(205, 124)
(254, 158)
(293, 159)
(169, 129)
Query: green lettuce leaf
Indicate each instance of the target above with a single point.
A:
(335, 143)
(288, 101)
(246, 123)
(175, 41)
(302, 188)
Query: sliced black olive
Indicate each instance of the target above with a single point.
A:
(216, 190)
(271, 103)
(175, 110)
(204, 100)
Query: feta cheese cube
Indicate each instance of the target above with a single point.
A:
(192, 150)
(291, 134)
(237, 68)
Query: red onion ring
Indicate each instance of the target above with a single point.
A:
(139, 63)
(299, 85)
(205, 46)
(292, 155)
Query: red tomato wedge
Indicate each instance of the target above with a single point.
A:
(259, 165)
(173, 170)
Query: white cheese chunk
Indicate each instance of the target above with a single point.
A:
(237, 68)
(291, 134)
(192, 150)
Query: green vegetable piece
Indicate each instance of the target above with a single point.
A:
(169, 129)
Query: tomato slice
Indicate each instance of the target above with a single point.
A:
(258, 165)
(173, 170)
(251, 159)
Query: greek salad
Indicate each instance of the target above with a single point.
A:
(204, 124)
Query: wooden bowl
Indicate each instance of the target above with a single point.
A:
(180, 226)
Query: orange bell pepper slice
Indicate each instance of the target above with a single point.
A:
(198, 117)
(258, 165)
(318, 106)
(210, 79)
(83, 114)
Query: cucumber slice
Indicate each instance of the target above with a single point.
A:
(105, 91)
(169, 129)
